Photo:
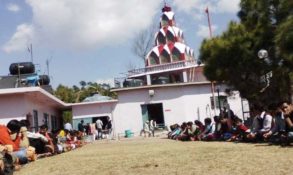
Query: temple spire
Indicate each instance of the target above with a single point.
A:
(166, 8)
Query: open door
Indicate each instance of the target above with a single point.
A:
(153, 111)
(144, 112)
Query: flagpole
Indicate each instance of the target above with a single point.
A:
(31, 51)
(212, 82)
(209, 22)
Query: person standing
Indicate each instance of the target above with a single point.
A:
(146, 129)
(153, 126)
(109, 128)
(99, 125)
(68, 126)
(81, 127)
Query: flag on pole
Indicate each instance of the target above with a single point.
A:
(207, 10)
(28, 49)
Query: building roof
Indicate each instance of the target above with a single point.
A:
(93, 102)
(36, 93)
(47, 98)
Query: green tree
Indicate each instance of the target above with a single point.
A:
(232, 56)
(76, 94)
(65, 94)
(67, 116)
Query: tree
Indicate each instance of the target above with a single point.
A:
(82, 84)
(232, 56)
(65, 94)
(67, 116)
(144, 41)
(76, 94)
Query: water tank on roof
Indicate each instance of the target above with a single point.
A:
(44, 80)
(22, 68)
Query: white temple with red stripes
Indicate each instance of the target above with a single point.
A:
(170, 46)
(169, 61)
(170, 89)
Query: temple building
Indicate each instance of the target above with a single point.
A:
(171, 88)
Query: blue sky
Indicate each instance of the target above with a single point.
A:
(92, 40)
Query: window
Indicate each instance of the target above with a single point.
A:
(164, 21)
(161, 38)
(170, 37)
(175, 55)
(165, 57)
(154, 59)
(35, 126)
(54, 122)
(223, 101)
(46, 120)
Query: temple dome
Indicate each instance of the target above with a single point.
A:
(169, 40)
(169, 53)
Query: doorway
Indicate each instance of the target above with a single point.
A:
(153, 112)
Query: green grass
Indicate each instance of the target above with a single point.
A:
(163, 156)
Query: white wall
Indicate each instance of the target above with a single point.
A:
(180, 104)
(11, 107)
(38, 105)
(17, 106)
(90, 110)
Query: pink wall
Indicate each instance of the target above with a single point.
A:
(92, 109)
(12, 107)
(17, 106)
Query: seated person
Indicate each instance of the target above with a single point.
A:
(224, 132)
(262, 124)
(175, 131)
(288, 115)
(36, 140)
(10, 136)
(278, 129)
(241, 131)
(7, 162)
(183, 132)
(49, 145)
(208, 133)
(199, 129)
(188, 133)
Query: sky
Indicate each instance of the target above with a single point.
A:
(92, 40)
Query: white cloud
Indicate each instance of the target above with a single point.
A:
(20, 39)
(204, 31)
(228, 6)
(13, 7)
(76, 24)
(196, 8)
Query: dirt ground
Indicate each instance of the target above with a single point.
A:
(154, 156)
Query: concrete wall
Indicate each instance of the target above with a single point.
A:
(180, 104)
(12, 107)
(34, 104)
(17, 106)
(92, 110)
(89, 111)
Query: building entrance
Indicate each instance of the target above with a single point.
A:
(153, 112)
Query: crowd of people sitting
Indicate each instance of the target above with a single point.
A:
(19, 146)
(272, 124)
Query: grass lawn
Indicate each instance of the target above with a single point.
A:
(162, 156)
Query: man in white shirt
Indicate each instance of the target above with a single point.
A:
(68, 126)
(262, 124)
(99, 125)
